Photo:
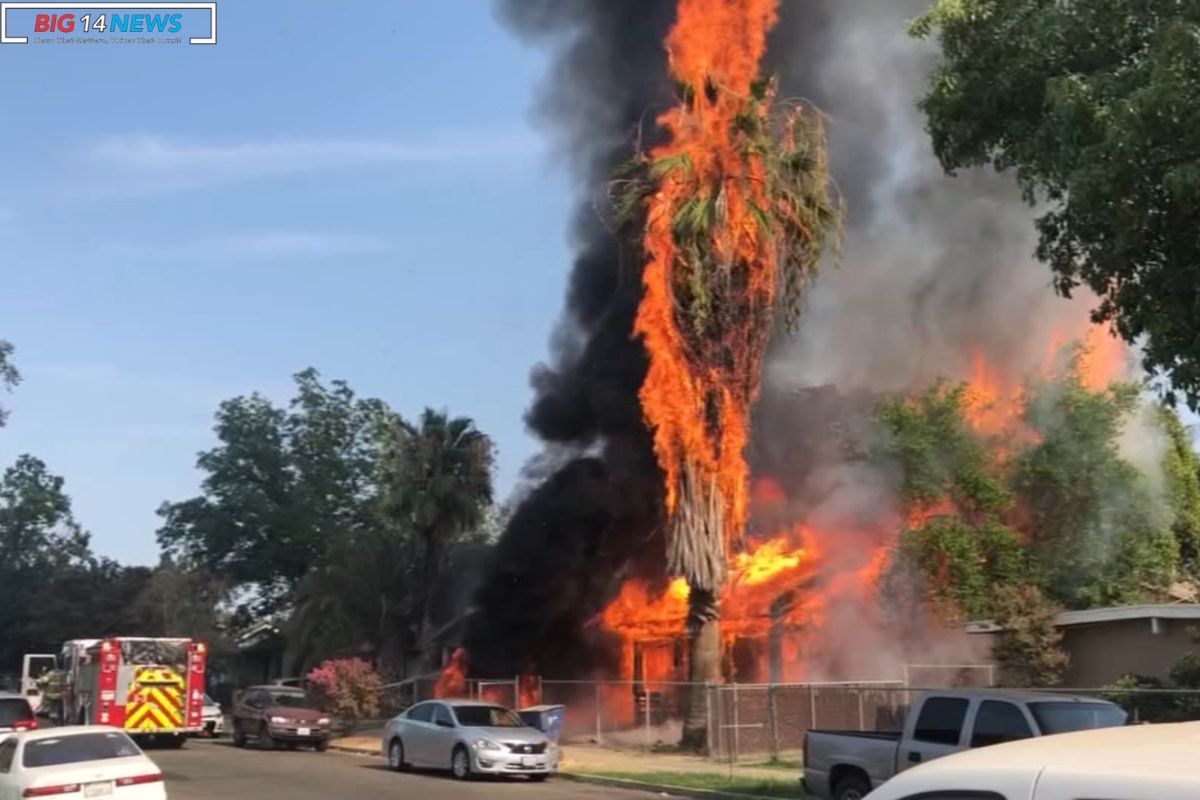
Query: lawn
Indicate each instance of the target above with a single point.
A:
(785, 764)
(720, 783)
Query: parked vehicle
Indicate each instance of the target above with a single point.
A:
(468, 738)
(1139, 762)
(16, 714)
(90, 762)
(212, 718)
(152, 688)
(846, 765)
(279, 716)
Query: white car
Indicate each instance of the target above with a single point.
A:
(1140, 762)
(212, 718)
(468, 738)
(77, 762)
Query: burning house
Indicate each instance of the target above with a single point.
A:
(936, 281)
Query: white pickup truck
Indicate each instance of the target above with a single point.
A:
(846, 765)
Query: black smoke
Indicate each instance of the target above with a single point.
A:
(594, 514)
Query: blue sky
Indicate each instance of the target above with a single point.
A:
(364, 193)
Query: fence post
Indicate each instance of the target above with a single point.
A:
(737, 726)
(812, 705)
(541, 693)
(862, 724)
(773, 720)
(708, 717)
(646, 692)
(599, 731)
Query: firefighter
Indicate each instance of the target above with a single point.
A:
(50, 684)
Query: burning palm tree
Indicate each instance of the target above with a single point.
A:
(733, 213)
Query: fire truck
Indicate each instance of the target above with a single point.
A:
(153, 689)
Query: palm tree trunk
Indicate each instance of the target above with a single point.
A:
(704, 666)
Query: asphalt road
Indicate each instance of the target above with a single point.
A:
(205, 770)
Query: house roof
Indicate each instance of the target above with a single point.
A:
(1091, 616)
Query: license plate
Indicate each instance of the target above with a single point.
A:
(303, 731)
(526, 761)
(98, 789)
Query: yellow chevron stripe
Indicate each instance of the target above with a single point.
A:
(165, 705)
(148, 717)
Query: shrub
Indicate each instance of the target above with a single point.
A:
(347, 687)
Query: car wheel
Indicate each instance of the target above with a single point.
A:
(395, 758)
(264, 737)
(538, 778)
(460, 764)
(851, 787)
(239, 737)
(321, 746)
(176, 742)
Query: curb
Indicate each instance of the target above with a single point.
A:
(357, 751)
(660, 788)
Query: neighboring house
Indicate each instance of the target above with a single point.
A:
(1102, 644)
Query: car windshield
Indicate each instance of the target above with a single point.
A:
(1066, 717)
(12, 710)
(208, 701)
(486, 717)
(77, 748)
(291, 700)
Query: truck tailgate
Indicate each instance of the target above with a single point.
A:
(828, 754)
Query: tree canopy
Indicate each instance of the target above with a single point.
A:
(281, 485)
(1051, 513)
(1096, 109)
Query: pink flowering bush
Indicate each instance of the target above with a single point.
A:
(347, 687)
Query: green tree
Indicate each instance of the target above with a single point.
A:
(361, 594)
(1096, 532)
(178, 602)
(39, 538)
(957, 545)
(1028, 648)
(1181, 470)
(91, 598)
(1096, 108)
(278, 489)
(9, 377)
(439, 487)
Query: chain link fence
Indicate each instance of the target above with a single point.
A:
(754, 722)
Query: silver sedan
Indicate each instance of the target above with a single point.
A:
(468, 738)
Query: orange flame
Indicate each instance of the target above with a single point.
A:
(453, 680)
(697, 408)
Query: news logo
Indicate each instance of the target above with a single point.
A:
(108, 23)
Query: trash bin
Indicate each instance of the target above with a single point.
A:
(547, 719)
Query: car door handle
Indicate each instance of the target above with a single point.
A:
(914, 757)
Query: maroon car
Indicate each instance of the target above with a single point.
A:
(279, 716)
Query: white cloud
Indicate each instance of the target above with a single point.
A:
(268, 245)
(150, 162)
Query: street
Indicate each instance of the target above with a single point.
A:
(204, 770)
